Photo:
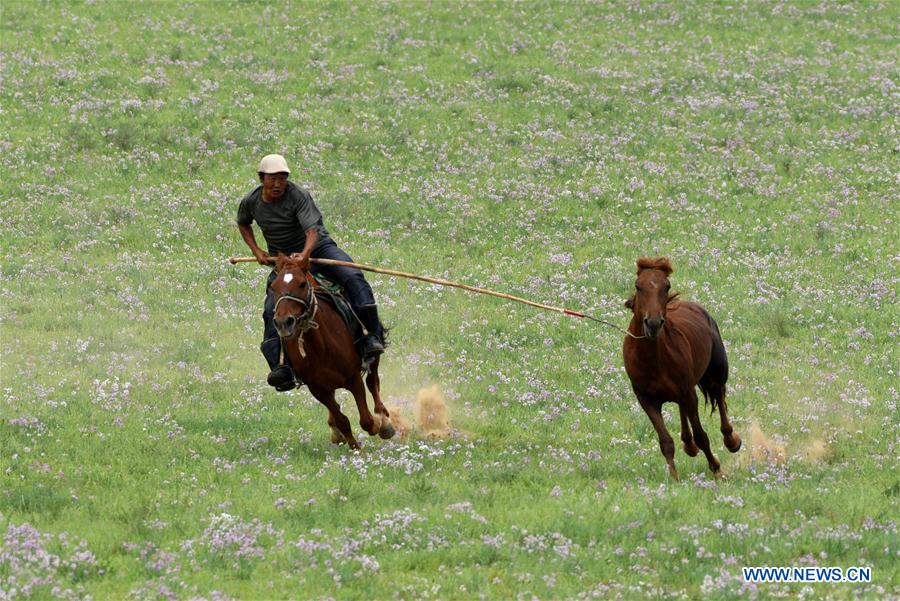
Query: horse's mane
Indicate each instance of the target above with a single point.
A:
(661, 263)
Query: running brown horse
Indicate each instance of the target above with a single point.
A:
(673, 346)
(320, 348)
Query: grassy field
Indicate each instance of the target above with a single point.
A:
(537, 149)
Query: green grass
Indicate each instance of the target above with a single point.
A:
(536, 149)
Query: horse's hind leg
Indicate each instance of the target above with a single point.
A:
(731, 438)
(690, 407)
(666, 444)
(373, 381)
(714, 390)
(341, 431)
(687, 438)
(366, 421)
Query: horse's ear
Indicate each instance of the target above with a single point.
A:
(629, 304)
(280, 260)
(303, 261)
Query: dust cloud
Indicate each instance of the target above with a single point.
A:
(763, 449)
(766, 450)
(816, 451)
(431, 412)
(429, 415)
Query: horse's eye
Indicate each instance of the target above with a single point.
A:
(638, 288)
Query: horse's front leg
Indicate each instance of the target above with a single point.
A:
(374, 383)
(336, 436)
(341, 431)
(653, 410)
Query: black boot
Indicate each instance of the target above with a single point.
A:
(372, 347)
(373, 343)
(281, 376)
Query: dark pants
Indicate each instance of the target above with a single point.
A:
(356, 289)
(355, 286)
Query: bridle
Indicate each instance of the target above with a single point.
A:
(310, 304)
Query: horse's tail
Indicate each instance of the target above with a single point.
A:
(714, 394)
(712, 384)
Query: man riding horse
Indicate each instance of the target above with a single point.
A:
(290, 222)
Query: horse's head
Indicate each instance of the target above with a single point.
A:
(651, 294)
(294, 298)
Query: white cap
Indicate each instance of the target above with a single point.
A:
(273, 163)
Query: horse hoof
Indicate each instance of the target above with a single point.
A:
(720, 475)
(387, 430)
(735, 445)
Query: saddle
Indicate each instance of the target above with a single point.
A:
(333, 294)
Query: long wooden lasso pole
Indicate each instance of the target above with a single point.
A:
(440, 282)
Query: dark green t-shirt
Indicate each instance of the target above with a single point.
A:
(283, 223)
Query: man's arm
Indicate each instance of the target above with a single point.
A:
(312, 236)
(262, 257)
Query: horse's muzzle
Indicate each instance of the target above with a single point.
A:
(653, 326)
(286, 326)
